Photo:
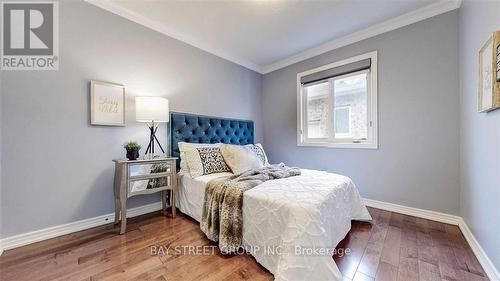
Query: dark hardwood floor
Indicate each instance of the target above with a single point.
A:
(393, 247)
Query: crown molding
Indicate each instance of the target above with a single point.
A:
(423, 13)
(142, 20)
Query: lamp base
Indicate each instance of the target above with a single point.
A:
(153, 127)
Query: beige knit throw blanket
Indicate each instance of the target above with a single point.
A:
(222, 217)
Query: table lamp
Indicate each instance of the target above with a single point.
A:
(151, 110)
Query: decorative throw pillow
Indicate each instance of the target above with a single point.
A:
(212, 160)
(240, 158)
(259, 151)
(190, 157)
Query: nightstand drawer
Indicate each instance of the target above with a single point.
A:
(151, 185)
(143, 169)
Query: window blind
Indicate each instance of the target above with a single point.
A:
(336, 71)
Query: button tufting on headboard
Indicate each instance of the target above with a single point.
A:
(205, 129)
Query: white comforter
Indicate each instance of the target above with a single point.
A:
(291, 225)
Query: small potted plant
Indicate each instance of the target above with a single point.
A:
(132, 149)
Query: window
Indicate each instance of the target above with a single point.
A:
(337, 104)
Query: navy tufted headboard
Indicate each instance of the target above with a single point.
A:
(205, 129)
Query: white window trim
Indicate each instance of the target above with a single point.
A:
(329, 121)
(372, 141)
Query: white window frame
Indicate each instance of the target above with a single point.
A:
(305, 121)
(371, 141)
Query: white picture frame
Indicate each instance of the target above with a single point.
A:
(107, 104)
(486, 77)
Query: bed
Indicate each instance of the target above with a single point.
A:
(291, 225)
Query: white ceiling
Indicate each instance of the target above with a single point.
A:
(265, 35)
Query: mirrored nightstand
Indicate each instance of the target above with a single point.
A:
(139, 177)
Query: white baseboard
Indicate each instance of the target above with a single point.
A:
(421, 213)
(59, 230)
(483, 259)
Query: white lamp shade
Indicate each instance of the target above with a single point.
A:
(149, 109)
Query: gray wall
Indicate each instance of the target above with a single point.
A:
(1, 170)
(480, 132)
(417, 160)
(59, 167)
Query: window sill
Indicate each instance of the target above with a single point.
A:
(339, 145)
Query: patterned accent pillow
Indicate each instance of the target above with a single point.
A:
(212, 160)
(190, 157)
(259, 151)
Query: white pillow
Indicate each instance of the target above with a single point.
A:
(240, 158)
(202, 158)
(259, 151)
(184, 167)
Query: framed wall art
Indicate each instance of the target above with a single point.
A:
(107, 104)
(489, 74)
